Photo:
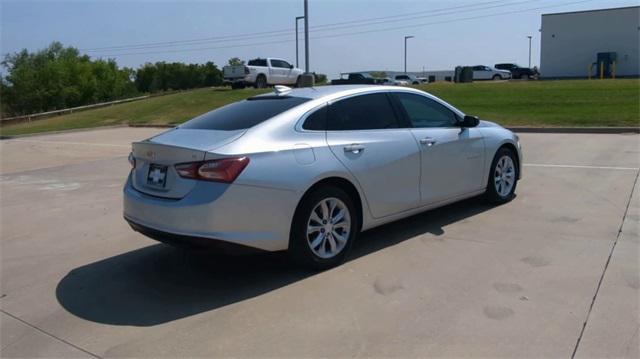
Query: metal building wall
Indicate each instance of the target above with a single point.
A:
(570, 41)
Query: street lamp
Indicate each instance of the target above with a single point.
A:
(297, 18)
(405, 52)
(529, 50)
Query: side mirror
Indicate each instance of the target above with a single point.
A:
(470, 121)
(290, 66)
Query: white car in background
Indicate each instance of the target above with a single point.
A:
(481, 72)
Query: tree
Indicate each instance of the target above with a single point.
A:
(60, 77)
(234, 61)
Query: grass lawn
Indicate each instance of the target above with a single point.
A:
(521, 103)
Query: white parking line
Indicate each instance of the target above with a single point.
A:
(69, 143)
(576, 166)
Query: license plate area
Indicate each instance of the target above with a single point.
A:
(157, 176)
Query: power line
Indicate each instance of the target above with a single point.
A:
(355, 33)
(317, 28)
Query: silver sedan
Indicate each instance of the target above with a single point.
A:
(306, 170)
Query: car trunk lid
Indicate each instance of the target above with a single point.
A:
(155, 172)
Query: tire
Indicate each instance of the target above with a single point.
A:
(496, 77)
(261, 82)
(306, 247)
(496, 192)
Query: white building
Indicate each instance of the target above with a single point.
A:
(571, 41)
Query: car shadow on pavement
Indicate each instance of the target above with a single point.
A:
(159, 283)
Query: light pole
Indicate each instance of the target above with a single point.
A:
(405, 52)
(297, 18)
(529, 50)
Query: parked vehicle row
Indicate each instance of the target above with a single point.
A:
(306, 170)
(261, 73)
(365, 78)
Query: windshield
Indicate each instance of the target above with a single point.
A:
(244, 114)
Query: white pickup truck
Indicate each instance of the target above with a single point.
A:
(261, 73)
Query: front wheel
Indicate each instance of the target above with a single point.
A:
(503, 177)
(497, 77)
(323, 229)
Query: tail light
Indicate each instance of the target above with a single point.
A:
(132, 160)
(223, 170)
(246, 70)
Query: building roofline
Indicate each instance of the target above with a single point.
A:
(594, 10)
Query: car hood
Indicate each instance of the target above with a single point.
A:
(485, 123)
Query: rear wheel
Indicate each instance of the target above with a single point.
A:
(503, 177)
(497, 77)
(261, 82)
(323, 229)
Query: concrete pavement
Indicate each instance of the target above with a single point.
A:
(469, 280)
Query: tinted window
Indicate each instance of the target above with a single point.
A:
(258, 62)
(280, 64)
(244, 114)
(402, 77)
(425, 112)
(366, 112)
(317, 121)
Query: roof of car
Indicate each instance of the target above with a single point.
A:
(336, 90)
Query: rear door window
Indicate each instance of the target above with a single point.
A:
(317, 121)
(244, 114)
(364, 112)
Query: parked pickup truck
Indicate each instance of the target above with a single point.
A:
(357, 78)
(261, 73)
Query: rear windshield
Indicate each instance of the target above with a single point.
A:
(244, 114)
(258, 62)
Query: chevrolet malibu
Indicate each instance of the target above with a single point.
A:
(306, 170)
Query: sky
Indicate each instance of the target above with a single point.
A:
(347, 35)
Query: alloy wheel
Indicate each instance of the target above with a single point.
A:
(328, 228)
(504, 176)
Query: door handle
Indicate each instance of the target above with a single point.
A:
(428, 141)
(354, 148)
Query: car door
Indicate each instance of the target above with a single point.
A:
(481, 73)
(277, 72)
(452, 158)
(287, 77)
(365, 134)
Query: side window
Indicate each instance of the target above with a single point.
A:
(317, 121)
(425, 112)
(365, 112)
(279, 64)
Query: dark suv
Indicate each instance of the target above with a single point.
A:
(518, 72)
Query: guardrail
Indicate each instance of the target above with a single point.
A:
(42, 115)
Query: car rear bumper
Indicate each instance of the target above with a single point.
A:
(191, 242)
(251, 216)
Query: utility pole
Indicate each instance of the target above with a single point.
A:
(405, 52)
(297, 18)
(307, 79)
(306, 36)
(529, 50)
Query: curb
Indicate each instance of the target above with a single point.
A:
(44, 133)
(586, 130)
(144, 125)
